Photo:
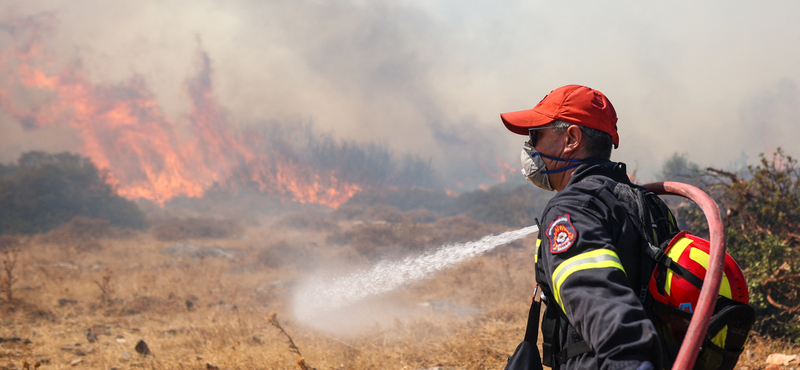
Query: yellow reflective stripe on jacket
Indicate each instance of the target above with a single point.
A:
(596, 259)
(536, 252)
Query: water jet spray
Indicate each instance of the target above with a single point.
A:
(319, 295)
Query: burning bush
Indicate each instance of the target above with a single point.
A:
(196, 228)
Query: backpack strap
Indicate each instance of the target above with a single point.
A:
(549, 324)
(572, 351)
(532, 331)
(661, 258)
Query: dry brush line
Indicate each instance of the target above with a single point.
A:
(273, 319)
(27, 366)
(9, 264)
(106, 289)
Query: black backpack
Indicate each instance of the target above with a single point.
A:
(731, 322)
(729, 326)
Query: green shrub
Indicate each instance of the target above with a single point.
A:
(45, 190)
(761, 212)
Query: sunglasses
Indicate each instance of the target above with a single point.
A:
(532, 133)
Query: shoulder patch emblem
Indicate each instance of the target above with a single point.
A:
(561, 234)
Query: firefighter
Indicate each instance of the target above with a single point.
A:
(588, 258)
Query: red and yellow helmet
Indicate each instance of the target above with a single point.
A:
(691, 253)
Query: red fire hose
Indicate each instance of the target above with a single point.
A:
(708, 295)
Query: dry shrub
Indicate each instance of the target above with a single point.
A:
(423, 215)
(384, 239)
(82, 233)
(273, 256)
(377, 240)
(350, 211)
(386, 213)
(150, 304)
(9, 278)
(8, 242)
(269, 258)
(405, 198)
(307, 221)
(459, 229)
(283, 253)
(81, 228)
(368, 239)
(196, 228)
(106, 289)
(378, 212)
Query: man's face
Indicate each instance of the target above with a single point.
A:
(550, 143)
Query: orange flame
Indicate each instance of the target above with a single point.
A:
(125, 131)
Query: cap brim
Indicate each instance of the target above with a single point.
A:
(520, 121)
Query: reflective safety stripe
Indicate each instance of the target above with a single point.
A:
(596, 259)
(698, 256)
(675, 254)
(719, 339)
(702, 258)
(536, 252)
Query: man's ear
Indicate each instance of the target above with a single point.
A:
(573, 138)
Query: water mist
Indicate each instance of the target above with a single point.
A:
(318, 299)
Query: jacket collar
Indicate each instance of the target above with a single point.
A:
(600, 166)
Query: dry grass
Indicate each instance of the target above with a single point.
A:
(214, 312)
(196, 228)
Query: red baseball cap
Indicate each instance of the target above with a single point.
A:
(576, 104)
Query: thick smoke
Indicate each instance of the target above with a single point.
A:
(430, 79)
(772, 116)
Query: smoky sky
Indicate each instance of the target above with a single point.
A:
(717, 81)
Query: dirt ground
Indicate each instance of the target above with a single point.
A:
(100, 298)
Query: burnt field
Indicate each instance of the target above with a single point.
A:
(203, 293)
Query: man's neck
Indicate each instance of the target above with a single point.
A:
(559, 184)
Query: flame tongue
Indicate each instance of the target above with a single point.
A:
(125, 132)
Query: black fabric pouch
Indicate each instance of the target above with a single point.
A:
(525, 357)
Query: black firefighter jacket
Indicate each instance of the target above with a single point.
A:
(589, 269)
